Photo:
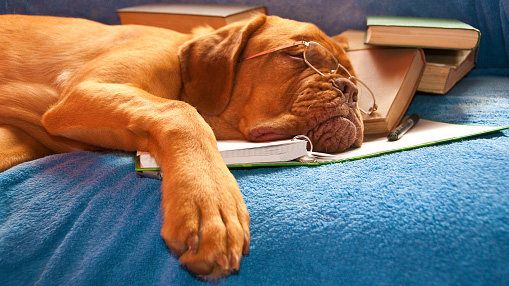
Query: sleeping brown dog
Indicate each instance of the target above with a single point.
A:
(72, 84)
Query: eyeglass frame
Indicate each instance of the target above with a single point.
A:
(373, 108)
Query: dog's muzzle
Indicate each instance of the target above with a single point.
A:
(341, 126)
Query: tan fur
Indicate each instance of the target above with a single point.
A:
(72, 84)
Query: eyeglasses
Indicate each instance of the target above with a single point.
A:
(323, 62)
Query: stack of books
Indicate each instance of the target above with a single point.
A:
(450, 46)
(396, 56)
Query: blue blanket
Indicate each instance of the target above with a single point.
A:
(434, 215)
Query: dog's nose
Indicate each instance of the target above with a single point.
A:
(347, 88)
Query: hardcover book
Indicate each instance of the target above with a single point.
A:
(444, 68)
(184, 17)
(421, 32)
(393, 75)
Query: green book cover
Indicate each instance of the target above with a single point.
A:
(418, 22)
(454, 30)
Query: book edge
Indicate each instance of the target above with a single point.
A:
(142, 9)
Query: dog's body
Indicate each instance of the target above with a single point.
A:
(72, 84)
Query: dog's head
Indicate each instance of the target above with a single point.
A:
(260, 80)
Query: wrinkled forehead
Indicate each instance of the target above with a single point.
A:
(278, 32)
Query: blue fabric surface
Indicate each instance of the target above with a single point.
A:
(430, 216)
(436, 215)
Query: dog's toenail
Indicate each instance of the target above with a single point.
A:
(245, 249)
(192, 243)
(235, 262)
(222, 260)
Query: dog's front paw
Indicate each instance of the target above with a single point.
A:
(206, 222)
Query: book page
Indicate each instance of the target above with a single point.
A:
(243, 152)
(225, 145)
(424, 133)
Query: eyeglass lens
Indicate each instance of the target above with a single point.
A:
(320, 58)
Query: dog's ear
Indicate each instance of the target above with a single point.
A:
(208, 62)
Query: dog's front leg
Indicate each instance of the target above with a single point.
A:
(205, 220)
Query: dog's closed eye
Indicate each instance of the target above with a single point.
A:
(295, 54)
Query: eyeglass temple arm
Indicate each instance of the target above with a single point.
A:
(375, 106)
(277, 49)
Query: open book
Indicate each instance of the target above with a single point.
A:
(424, 133)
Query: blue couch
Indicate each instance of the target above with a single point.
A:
(435, 215)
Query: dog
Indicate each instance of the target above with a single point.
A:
(70, 84)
